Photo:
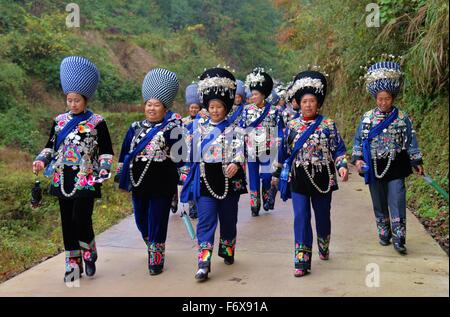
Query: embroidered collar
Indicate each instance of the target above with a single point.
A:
(216, 123)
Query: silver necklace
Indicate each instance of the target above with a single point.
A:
(62, 186)
(203, 175)
(375, 168)
(312, 180)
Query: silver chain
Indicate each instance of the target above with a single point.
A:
(314, 184)
(208, 187)
(62, 186)
(375, 168)
(141, 178)
(203, 174)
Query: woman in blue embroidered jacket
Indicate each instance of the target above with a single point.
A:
(384, 150)
(264, 128)
(191, 98)
(216, 178)
(149, 160)
(313, 150)
(234, 116)
(292, 110)
(78, 157)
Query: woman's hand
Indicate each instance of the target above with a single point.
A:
(38, 166)
(419, 170)
(275, 181)
(232, 170)
(359, 164)
(343, 173)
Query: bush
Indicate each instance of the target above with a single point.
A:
(12, 83)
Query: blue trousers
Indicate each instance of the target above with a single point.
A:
(389, 206)
(210, 210)
(152, 217)
(255, 180)
(303, 230)
(255, 177)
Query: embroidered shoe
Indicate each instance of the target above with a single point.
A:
(202, 274)
(74, 270)
(90, 268)
(155, 271)
(228, 260)
(300, 273)
(400, 248)
(89, 257)
(324, 257)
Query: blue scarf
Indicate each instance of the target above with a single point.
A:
(263, 115)
(284, 177)
(72, 124)
(370, 176)
(68, 128)
(237, 113)
(190, 127)
(125, 174)
(191, 187)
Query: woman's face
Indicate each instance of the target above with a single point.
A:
(194, 109)
(294, 104)
(257, 97)
(217, 110)
(238, 100)
(309, 106)
(76, 102)
(154, 110)
(384, 101)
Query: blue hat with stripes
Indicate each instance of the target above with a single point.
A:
(248, 93)
(273, 98)
(384, 76)
(191, 95)
(240, 88)
(79, 75)
(160, 84)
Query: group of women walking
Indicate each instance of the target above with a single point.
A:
(234, 129)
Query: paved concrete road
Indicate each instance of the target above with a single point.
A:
(264, 260)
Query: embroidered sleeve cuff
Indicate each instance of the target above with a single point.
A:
(105, 161)
(416, 156)
(341, 162)
(417, 162)
(45, 156)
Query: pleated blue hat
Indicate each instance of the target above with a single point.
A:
(191, 95)
(273, 98)
(240, 88)
(248, 93)
(160, 84)
(79, 75)
(384, 76)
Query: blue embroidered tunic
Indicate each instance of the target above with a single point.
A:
(319, 156)
(84, 157)
(397, 144)
(157, 159)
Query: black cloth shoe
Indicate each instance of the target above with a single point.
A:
(90, 268)
(400, 248)
(228, 260)
(155, 271)
(200, 276)
(384, 242)
(255, 211)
